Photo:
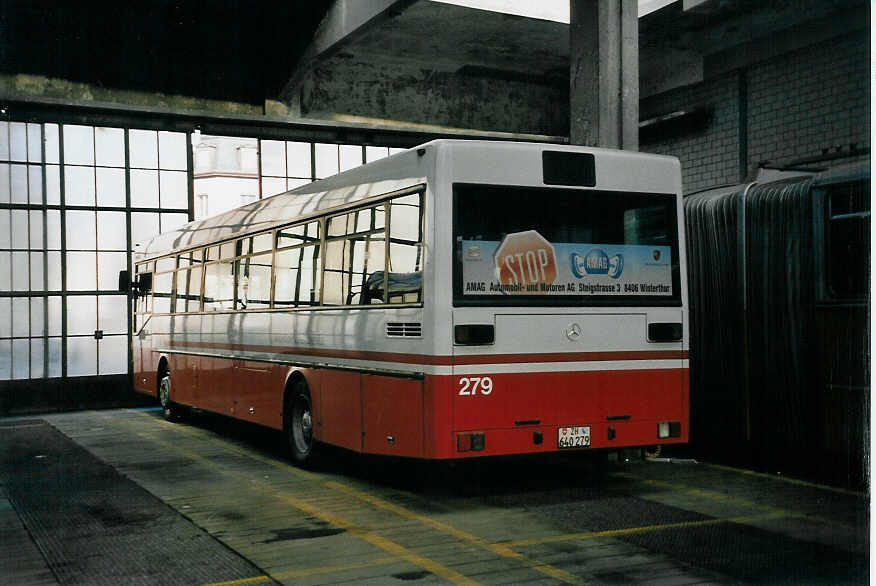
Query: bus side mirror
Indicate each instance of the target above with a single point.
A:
(144, 283)
(124, 281)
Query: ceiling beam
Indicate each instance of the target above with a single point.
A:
(343, 23)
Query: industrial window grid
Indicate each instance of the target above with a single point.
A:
(74, 198)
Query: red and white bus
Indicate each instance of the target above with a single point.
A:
(458, 299)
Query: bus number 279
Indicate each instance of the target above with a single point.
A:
(475, 385)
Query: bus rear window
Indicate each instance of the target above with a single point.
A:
(537, 246)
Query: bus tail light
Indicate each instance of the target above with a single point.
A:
(666, 429)
(470, 442)
(664, 332)
(474, 334)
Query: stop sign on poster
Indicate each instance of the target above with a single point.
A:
(526, 259)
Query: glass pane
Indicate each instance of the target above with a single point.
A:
(350, 156)
(219, 286)
(273, 158)
(189, 290)
(4, 183)
(373, 153)
(20, 271)
(37, 271)
(172, 150)
(34, 143)
(5, 359)
(300, 234)
(20, 317)
(110, 146)
(112, 314)
(78, 145)
(53, 229)
(18, 184)
(81, 356)
(37, 316)
(326, 160)
(81, 317)
(54, 316)
(394, 150)
(35, 183)
(143, 148)
(5, 271)
(81, 271)
(108, 266)
(20, 359)
(111, 187)
(272, 186)
(405, 218)
(36, 230)
(53, 278)
(4, 141)
(173, 221)
(37, 354)
(161, 290)
(255, 282)
(54, 357)
(50, 131)
(293, 183)
(298, 160)
(111, 231)
(174, 190)
(5, 317)
(143, 226)
(113, 354)
(81, 229)
(18, 141)
(53, 184)
(5, 229)
(144, 189)
(261, 242)
(79, 186)
(19, 229)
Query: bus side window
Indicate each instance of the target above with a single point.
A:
(355, 247)
(406, 249)
(219, 279)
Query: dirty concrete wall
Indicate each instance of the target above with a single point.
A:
(413, 94)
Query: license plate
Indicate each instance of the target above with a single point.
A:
(573, 437)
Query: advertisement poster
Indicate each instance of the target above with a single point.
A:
(525, 263)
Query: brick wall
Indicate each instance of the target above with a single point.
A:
(810, 101)
(804, 103)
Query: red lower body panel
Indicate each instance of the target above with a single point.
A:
(515, 413)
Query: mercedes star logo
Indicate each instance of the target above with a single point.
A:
(573, 332)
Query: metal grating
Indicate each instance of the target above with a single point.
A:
(404, 330)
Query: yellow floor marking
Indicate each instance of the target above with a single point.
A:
(725, 498)
(379, 541)
(787, 480)
(501, 550)
(644, 529)
(253, 580)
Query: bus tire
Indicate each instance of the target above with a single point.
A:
(170, 410)
(298, 423)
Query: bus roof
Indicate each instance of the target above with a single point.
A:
(404, 170)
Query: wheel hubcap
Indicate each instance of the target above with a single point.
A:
(164, 391)
(302, 426)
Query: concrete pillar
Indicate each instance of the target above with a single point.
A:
(604, 73)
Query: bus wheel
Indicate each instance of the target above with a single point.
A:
(298, 423)
(170, 410)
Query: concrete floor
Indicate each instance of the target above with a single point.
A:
(123, 497)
